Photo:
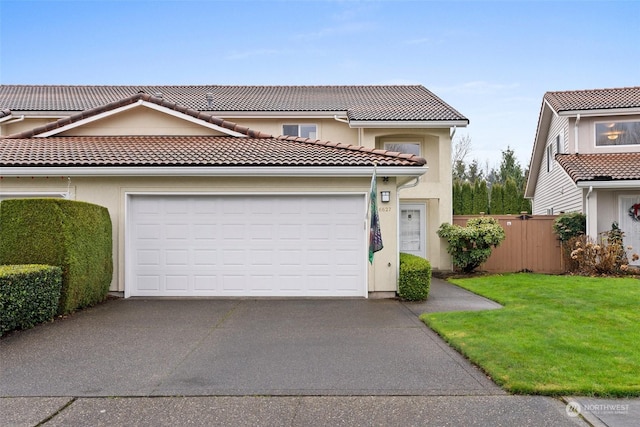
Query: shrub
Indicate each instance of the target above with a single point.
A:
(568, 225)
(607, 257)
(415, 277)
(29, 295)
(570, 229)
(75, 236)
(471, 246)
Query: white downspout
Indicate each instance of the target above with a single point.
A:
(338, 119)
(335, 117)
(575, 136)
(586, 208)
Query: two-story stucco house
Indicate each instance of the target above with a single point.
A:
(205, 201)
(586, 158)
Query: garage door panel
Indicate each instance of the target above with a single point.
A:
(205, 282)
(246, 246)
(148, 283)
(176, 283)
(205, 257)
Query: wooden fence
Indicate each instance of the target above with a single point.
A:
(530, 245)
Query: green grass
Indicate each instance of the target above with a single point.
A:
(556, 335)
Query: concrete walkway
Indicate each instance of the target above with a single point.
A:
(256, 362)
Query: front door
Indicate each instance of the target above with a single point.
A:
(412, 229)
(630, 224)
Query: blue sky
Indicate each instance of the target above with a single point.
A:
(492, 61)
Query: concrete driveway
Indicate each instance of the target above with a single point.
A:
(161, 347)
(256, 362)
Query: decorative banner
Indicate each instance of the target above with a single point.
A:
(634, 212)
(375, 237)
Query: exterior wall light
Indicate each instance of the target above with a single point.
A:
(385, 196)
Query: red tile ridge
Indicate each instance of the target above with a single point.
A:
(393, 154)
(132, 100)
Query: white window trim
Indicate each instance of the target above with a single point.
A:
(299, 126)
(549, 156)
(408, 142)
(595, 133)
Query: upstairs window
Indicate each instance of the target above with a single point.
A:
(403, 147)
(617, 133)
(549, 157)
(559, 147)
(301, 130)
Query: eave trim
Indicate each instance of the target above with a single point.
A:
(253, 171)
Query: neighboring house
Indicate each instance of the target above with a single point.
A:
(205, 201)
(586, 158)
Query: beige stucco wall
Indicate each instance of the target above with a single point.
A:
(111, 193)
(434, 187)
(9, 128)
(433, 190)
(141, 120)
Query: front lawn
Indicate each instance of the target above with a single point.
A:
(556, 335)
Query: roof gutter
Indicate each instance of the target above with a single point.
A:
(372, 124)
(630, 183)
(204, 171)
(601, 112)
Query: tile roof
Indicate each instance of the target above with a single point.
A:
(365, 103)
(594, 99)
(601, 167)
(132, 100)
(191, 151)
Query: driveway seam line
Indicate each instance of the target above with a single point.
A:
(214, 328)
(58, 412)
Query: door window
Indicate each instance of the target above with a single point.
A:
(412, 229)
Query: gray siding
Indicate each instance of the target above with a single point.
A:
(554, 188)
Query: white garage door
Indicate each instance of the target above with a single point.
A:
(245, 245)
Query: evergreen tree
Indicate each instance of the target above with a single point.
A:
(459, 170)
(474, 173)
(510, 168)
(480, 197)
(467, 198)
(496, 206)
(457, 197)
(512, 197)
(526, 205)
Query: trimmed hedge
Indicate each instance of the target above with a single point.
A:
(75, 236)
(29, 295)
(415, 278)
